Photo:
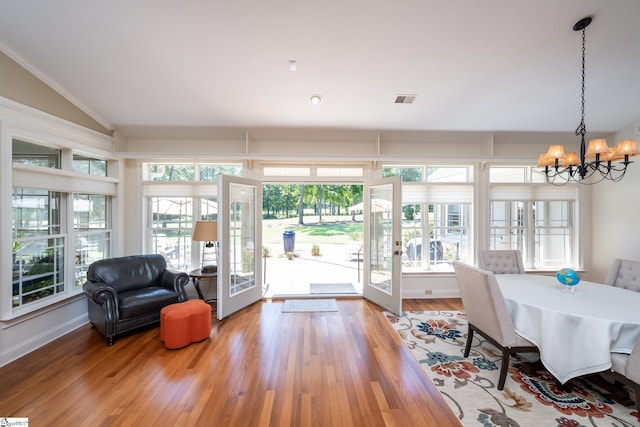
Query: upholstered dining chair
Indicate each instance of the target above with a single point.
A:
(501, 261)
(625, 274)
(487, 315)
(626, 369)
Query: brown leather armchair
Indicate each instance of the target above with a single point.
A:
(128, 292)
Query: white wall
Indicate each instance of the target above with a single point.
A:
(616, 223)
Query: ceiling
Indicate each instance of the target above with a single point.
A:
(142, 67)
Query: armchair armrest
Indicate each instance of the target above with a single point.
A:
(103, 296)
(177, 281)
(100, 293)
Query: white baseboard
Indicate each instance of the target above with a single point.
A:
(36, 341)
(420, 294)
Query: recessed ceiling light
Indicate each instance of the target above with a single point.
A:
(315, 99)
(293, 65)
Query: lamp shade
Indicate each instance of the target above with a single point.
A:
(571, 159)
(205, 231)
(627, 147)
(556, 152)
(597, 146)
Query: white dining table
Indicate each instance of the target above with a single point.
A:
(576, 333)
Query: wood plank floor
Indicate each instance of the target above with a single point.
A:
(261, 367)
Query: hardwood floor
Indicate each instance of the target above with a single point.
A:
(261, 367)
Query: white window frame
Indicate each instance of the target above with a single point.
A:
(32, 126)
(528, 192)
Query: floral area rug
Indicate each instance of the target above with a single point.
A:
(437, 339)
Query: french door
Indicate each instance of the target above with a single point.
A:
(240, 251)
(383, 243)
(239, 231)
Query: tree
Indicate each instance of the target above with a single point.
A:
(301, 205)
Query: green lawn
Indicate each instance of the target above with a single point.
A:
(332, 229)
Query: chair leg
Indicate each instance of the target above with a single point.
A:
(467, 347)
(504, 368)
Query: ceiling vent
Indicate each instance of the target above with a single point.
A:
(405, 99)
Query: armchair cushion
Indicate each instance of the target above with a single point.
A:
(140, 301)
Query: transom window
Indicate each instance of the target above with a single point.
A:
(189, 171)
(27, 153)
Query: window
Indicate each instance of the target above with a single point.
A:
(436, 207)
(176, 195)
(174, 172)
(57, 229)
(90, 166)
(408, 173)
(92, 232)
(35, 155)
(536, 218)
(210, 172)
(38, 246)
(169, 234)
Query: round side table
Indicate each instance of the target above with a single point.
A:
(196, 276)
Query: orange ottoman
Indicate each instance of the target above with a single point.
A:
(184, 323)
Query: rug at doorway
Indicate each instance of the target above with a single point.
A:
(331, 288)
(309, 305)
(436, 339)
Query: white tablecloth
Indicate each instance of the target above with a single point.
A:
(575, 333)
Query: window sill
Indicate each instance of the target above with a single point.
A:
(32, 310)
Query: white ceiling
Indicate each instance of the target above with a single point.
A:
(475, 65)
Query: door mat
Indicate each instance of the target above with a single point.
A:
(331, 288)
(309, 305)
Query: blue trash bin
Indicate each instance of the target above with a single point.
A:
(289, 239)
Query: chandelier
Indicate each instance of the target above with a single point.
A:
(597, 162)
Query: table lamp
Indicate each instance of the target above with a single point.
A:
(207, 231)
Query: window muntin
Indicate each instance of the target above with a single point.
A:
(35, 155)
(38, 246)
